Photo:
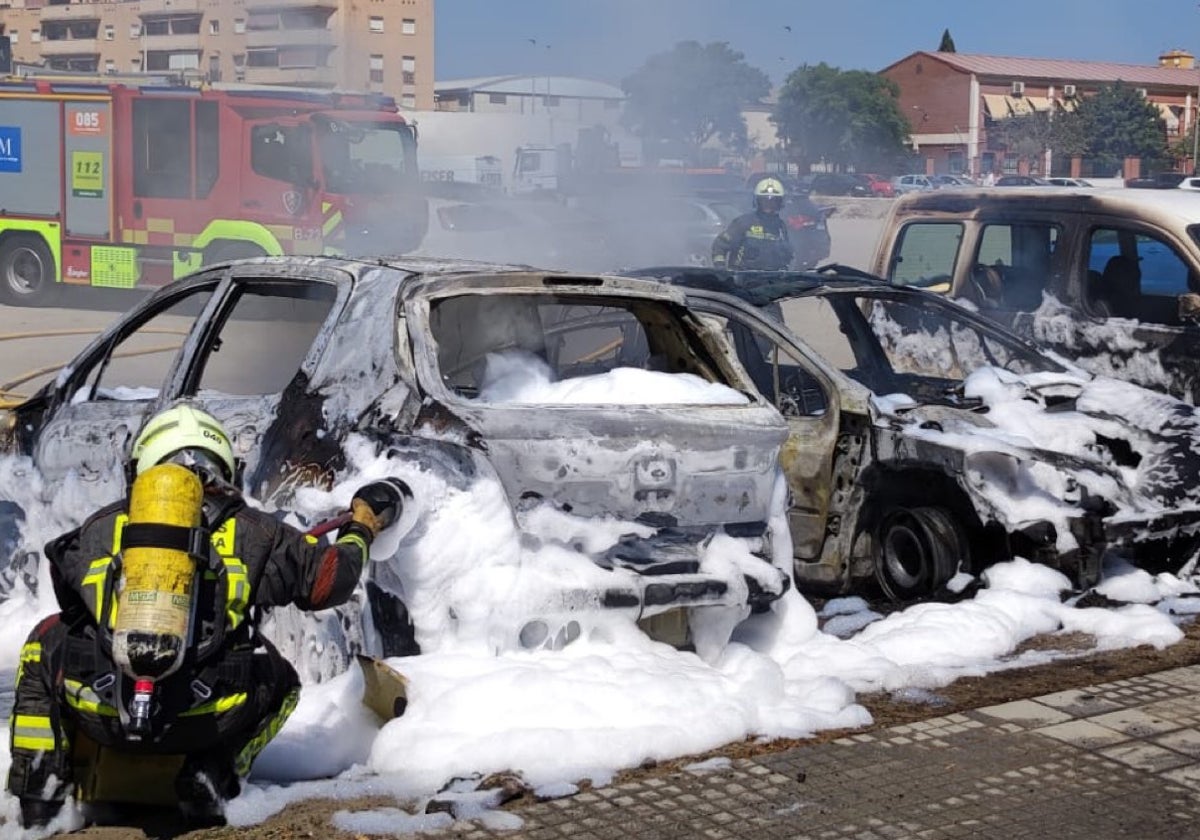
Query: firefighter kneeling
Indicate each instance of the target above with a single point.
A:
(155, 651)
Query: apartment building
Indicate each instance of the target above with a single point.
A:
(377, 45)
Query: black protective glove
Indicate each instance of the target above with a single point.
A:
(37, 813)
(377, 505)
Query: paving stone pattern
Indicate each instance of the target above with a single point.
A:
(1119, 759)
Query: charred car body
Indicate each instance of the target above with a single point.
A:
(925, 439)
(296, 354)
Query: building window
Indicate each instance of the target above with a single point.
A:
(497, 98)
(135, 64)
(14, 37)
(135, 30)
(214, 27)
(239, 60)
(375, 24)
(377, 69)
(239, 25)
(408, 64)
(109, 32)
(35, 35)
(408, 26)
(110, 66)
(408, 100)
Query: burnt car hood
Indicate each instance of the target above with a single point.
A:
(1054, 440)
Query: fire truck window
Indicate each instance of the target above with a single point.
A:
(208, 153)
(162, 148)
(281, 152)
(262, 344)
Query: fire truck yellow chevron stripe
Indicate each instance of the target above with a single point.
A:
(332, 223)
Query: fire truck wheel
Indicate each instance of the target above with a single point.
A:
(27, 271)
(223, 251)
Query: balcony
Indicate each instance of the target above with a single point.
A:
(71, 11)
(267, 5)
(301, 76)
(161, 8)
(290, 38)
(70, 46)
(170, 43)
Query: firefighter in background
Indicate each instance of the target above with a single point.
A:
(759, 239)
(229, 690)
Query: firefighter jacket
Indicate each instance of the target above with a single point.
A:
(753, 241)
(233, 691)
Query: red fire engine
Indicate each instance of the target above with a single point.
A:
(125, 185)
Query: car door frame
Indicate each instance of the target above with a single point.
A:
(819, 501)
(105, 429)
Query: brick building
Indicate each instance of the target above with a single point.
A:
(376, 45)
(951, 100)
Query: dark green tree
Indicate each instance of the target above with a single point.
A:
(693, 93)
(847, 118)
(947, 44)
(1119, 123)
(1029, 136)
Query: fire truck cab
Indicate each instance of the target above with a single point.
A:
(124, 185)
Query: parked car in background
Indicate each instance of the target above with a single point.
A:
(1068, 182)
(1108, 277)
(880, 186)
(1021, 181)
(911, 183)
(942, 182)
(840, 183)
(525, 231)
(427, 363)
(808, 230)
(917, 445)
(1189, 184)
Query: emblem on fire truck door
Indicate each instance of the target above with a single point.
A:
(293, 202)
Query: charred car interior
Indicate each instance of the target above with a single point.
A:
(925, 440)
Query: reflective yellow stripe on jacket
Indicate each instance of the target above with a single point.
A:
(32, 732)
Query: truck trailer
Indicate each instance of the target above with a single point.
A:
(130, 185)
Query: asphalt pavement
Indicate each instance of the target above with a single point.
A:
(1118, 759)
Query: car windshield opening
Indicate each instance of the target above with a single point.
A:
(923, 348)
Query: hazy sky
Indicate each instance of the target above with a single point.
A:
(607, 39)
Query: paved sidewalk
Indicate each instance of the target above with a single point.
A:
(1119, 759)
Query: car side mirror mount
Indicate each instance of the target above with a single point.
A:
(1189, 308)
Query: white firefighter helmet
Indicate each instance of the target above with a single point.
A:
(769, 188)
(183, 430)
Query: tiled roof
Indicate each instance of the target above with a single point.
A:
(1064, 70)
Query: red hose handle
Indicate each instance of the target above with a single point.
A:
(322, 528)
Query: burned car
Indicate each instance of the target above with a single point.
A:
(297, 355)
(926, 439)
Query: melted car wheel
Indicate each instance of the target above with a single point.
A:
(919, 550)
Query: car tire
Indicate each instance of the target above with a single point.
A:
(918, 551)
(28, 276)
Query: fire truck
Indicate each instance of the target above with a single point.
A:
(128, 184)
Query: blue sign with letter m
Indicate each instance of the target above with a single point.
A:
(10, 148)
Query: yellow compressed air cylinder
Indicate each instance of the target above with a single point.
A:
(154, 598)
